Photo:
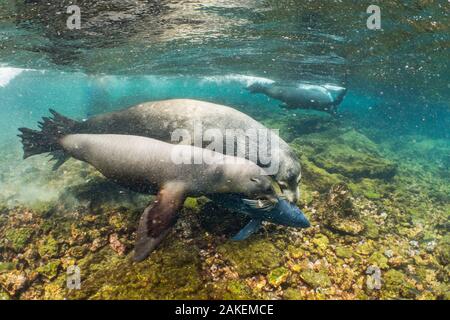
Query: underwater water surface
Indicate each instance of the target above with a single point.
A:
(375, 175)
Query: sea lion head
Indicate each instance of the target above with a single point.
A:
(246, 179)
(256, 87)
(260, 188)
(288, 178)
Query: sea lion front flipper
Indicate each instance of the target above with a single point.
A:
(157, 219)
(248, 230)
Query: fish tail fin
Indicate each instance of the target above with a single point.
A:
(35, 142)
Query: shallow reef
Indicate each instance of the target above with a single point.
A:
(380, 222)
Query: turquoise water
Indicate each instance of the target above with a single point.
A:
(398, 103)
(211, 50)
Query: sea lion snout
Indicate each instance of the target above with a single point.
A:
(262, 187)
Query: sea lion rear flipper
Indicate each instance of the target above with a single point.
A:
(248, 230)
(157, 219)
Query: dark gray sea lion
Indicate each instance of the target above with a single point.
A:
(148, 165)
(159, 119)
(303, 96)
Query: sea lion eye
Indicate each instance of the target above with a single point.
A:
(282, 185)
(255, 180)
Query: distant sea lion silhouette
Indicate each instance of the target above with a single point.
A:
(147, 165)
(159, 119)
(303, 96)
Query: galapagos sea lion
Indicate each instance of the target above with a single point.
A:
(303, 96)
(159, 119)
(147, 165)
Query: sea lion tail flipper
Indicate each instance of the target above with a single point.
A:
(157, 219)
(248, 230)
(47, 139)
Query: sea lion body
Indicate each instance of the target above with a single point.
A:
(170, 170)
(146, 165)
(149, 165)
(160, 119)
(304, 96)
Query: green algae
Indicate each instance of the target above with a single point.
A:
(6, 266)
(172, 274)
(366, 248)
(378, 259)
(236, 289)
(372, 189)
(292, 294)
(349, 154)
(4, 296)
(344, 252)
(354, 164)
(192, 204)
(50, 270)
(49, 247)
(443, 250)
(316, 177)
(321, 242)
(278, 276)
(372, 230)
(19, 238)
(315, 279)
(251, 257)
(397, 284)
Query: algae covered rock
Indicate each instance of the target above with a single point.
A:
(317, 178)
(349, 154)
(236, 289)
(344, 252)
(321, 242)
(48, 247)
(443, 250)
(252, 257)
(378, 259)
(372, 229)
(19, 238)
(50, 270)
(396, 284)
(292, 294)
(173, 272)
(339, 212)
(278, 276)
(6, 266)
(4, 295)
(354, 164)
(315, 279)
